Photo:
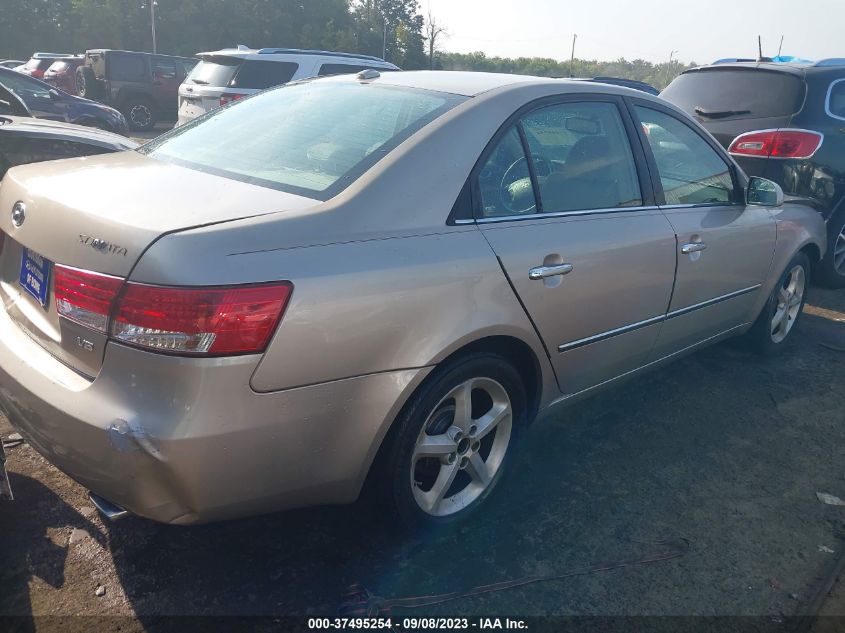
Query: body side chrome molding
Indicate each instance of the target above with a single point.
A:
(633, 372)
(610, 334)
(596, 338)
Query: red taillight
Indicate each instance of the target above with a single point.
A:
(85, 297)
(229, 97)
(782, 143)
(221, 321)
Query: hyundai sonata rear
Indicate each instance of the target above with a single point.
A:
(372, 278)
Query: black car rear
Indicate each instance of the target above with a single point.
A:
(784, 122)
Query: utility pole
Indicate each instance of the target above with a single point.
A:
(153, 5)
(572, 58)
(384, 42)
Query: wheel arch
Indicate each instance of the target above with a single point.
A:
(512, 348)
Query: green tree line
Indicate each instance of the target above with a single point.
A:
(658, 75)
(185, 27)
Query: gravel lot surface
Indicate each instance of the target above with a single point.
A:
(724, 449)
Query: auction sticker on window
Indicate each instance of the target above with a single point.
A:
(35, 275)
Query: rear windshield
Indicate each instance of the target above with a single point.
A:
(214, 71)
(312, 139)
(233, 72)
(736, 94)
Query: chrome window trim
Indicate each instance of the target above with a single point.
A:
(596, 338)
(701, 205)
(556, 214)
(827, 101)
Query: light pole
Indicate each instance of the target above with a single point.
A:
(384, 41)
(153, 5)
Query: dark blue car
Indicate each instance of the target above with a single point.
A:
(47, 102)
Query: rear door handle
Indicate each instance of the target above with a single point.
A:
(694, 247)
(543, 272)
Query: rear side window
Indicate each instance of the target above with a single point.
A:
(836, 99)
(165, 68)
(343, 69)
(258, 75)
(736, 94)
(691, 171)
(126, 67)
(580, 157)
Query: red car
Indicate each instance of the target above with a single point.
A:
(62, 73)
(39, 63)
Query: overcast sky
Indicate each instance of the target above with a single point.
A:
(702, 31)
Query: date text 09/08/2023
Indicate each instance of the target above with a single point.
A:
(417, 624)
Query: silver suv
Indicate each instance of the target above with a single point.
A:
(230, 74)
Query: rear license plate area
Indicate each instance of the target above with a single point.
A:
(35, 275)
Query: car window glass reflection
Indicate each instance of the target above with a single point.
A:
(691, 171)
(582, 157)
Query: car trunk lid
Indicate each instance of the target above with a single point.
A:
(100, 214)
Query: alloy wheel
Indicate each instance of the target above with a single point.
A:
(790, 298)
(461, 447)
(839, 252)
(140, 115)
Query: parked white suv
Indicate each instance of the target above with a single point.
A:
(229, 74)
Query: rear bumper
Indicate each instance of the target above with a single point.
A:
(186, 440)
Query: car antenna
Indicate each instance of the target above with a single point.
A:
(759, 48)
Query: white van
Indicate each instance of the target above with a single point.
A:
(229, 74)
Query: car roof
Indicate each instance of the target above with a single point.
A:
(29, 126)
(117, 50)
(244, 52)
(472, 84)
(796, 67)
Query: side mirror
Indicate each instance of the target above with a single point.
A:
(54, 94)
(763, 193)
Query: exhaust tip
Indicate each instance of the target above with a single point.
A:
(108, 509)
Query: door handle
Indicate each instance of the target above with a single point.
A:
(543, 272)
(694, 247)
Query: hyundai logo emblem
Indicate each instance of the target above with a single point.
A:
(18, 213)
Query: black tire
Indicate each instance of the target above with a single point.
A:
(828, 273)
(396, 486)
(763, 337)
(87, 84)
(140, 113)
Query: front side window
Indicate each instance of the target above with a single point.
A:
(24, 86)
(313, 139)
(691, 171)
